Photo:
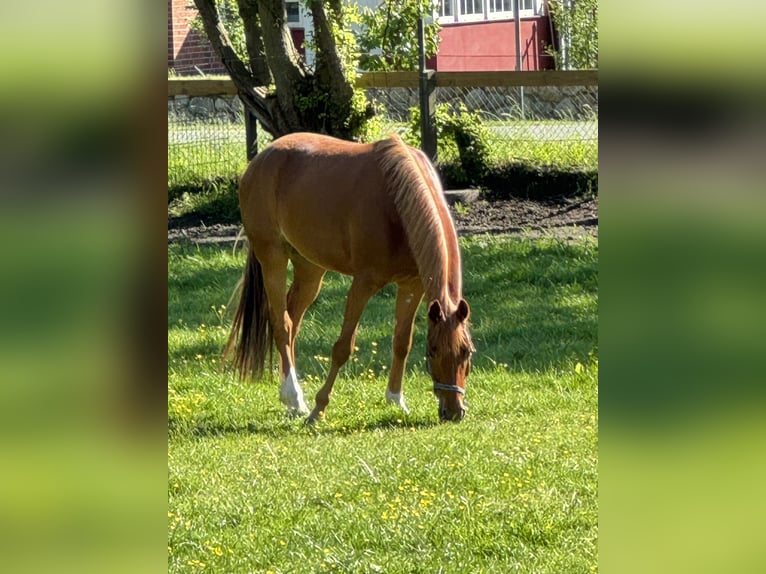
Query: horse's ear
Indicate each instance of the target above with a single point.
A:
(435, 312)
(463, 310)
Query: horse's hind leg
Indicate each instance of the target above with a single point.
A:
(408, 297)
(307, 281)
(358, 296)
(273, 258)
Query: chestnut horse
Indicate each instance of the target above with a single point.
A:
(373, 211)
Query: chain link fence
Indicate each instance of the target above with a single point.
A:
(206, 139)
(545, 125)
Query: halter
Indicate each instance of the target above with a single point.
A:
(441, 386)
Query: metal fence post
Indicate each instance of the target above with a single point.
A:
(251, 134)
(427, 98)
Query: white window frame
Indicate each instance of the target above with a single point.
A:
(300, 23)
(486, 14)
(477, 17)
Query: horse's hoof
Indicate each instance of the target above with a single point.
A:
(299, 411)
(294, 403)
(398, 400)
(314, 417)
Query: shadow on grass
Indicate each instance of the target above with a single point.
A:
(287, 426)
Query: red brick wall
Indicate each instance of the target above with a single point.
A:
(186, 47)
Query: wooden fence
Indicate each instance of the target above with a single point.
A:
(225, 87)
(426, 82)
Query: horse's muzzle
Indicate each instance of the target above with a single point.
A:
(458, 415)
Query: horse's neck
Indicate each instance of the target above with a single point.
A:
(447, 284)
(439, 265)
(431, 234)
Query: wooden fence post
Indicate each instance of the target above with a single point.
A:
(251, 134)
(427, 86)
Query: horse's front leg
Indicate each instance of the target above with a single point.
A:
(358, 296)
(408, 297)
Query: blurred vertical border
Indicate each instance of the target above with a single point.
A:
(83, 286)
(682, 315)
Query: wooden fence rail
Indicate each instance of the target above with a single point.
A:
(225, 87)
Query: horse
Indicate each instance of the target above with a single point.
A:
(374, 211)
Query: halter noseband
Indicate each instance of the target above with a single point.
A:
(441, 386)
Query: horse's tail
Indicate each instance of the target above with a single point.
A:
(250, 337)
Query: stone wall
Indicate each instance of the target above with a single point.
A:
(540, 103)
(196, 108)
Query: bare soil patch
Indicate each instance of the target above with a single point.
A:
(566, 218)
(563, 218)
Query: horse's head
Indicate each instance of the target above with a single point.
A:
(448, 357)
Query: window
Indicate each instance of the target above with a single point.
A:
(293, 12)
(445, 8)
(500, 6)
(472, 10)
(526, 7)
(471, 7)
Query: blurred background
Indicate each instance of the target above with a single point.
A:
(682, 278)
(82, 286)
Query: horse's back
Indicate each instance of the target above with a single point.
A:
(327, 197)
(305, 164)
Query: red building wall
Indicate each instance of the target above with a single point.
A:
(186, 47)
(491, 45)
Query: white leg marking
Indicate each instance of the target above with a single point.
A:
(291, 394)
(398, 400)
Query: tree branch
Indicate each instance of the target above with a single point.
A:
(253, 97)
(284, 60)
(248, 11)
(329, 65)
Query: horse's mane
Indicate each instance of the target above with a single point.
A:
(416, 191)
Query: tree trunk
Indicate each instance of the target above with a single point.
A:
(301, 101)
(253, 97)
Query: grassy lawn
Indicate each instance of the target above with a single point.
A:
(512, 488)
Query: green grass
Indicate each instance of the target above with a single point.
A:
(512, 488)
(214, 202)
(216, 153)
(201, 152)
(525, 148)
